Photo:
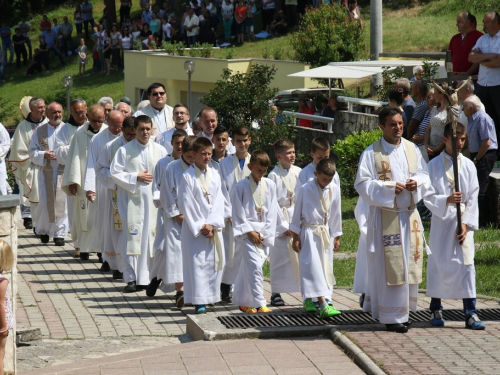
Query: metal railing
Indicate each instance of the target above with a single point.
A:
(305, 116)
(364, 102)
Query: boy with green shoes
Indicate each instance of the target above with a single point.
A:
(317, 218)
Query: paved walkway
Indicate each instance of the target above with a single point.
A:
(90, 327)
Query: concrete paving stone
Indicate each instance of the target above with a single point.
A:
(205, 352)
(94, 370)
(132, 371)
(248, 359)
(292, 371)
(260, 370)
(205, 364)
(289, 361)
(240, 346)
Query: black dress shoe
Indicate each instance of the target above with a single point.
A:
(141, 287)
(225, 292)
(59, 241)
(153, 287)
(99, 255)
(117, 275)
(45, 238)
(398, 327)
(28, 223)
(84, 256)
(130, 288)
(105, 267)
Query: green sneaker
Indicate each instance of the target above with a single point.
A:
(308, 306)
(328, 311)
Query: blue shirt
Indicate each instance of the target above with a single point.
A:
(4, 33)
(479, 128)
(50, 37)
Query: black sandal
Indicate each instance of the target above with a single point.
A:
(276, 300)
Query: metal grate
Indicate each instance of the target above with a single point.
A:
(346, 318)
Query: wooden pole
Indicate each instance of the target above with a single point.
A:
(456, 172)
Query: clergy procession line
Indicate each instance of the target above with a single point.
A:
(167, 209)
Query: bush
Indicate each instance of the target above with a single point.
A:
(327, 34)
(389, 76)
(348, 152)
(180, 48)
(168, 47)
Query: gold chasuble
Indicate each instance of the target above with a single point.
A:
(391, 230)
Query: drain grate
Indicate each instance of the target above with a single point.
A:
(346, 318)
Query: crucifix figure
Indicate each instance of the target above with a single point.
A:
(416, 230)
(207, 194)
(385, 170)
(325, 218)
(259, 213)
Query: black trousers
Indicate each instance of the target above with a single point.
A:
(484, 167)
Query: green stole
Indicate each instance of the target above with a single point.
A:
(391, 230)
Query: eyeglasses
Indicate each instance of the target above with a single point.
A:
(96, 121)
(155, 94)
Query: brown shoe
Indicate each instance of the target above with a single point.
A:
(77, 253)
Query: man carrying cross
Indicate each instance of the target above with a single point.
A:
(392, 177)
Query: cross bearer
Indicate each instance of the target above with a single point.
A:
(392, 177)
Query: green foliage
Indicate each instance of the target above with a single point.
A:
(152, 43)
(476, 7)
(243, 100)
(168, 47)
(230, 52)
(138, 45)
(389, 76)
(194, 51)
(348, 152)
(279, 53)
(206, 50)
(266, 52)
(327, 34)
(430, 69)
(180, 48)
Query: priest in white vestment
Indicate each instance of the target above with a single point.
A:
(392, 177)
(113, 226)
(78, 117)
(166, 268)
(132, 171)
(450, 266)
(158, 111)
(202, 204)
(93, 188)
(4, 149)
(21, 165)
(181, 121)
(74, 180)
(50, 214)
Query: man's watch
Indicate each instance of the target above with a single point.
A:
(475, 159)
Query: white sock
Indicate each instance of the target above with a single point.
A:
(322, 305)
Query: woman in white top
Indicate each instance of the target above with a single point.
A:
(135, 34)
(126, 42)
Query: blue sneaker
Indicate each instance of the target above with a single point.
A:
(473, 322)
(328, 302)
(200, 309)
(437, 318)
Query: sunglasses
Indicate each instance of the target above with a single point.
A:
(158, 93)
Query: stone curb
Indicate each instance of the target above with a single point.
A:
(355, 353)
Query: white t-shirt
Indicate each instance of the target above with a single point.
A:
(126, 42)
(167, 31)
(227, 11)
(193, 21)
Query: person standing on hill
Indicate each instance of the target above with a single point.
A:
(461, 44)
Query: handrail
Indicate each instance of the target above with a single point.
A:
(366, 102)
(305, 116)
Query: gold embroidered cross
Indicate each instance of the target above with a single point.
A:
(416, 230)
(385, 170)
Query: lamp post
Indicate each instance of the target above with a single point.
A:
(189, 67)
(67, 82)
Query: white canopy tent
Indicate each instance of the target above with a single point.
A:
(338, 72)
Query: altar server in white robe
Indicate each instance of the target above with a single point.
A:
(4, 149)
(450, 267)
(285, 275)
(320, 149)
(113, 224)
(78, 117)
(157, 109)
(95, 191)
(255, 214)
(21, 166)
(159, 274)
(181, 121)
(132, 170)
(233, 169)
(201, 202)
(74, 180)
(50, 214)
(392, 179)
(317, 226)
(220, 141)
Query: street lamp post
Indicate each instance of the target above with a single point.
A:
(189, 67)
(67, 82)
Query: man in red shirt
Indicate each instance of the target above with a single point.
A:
(461, 44)
(304, 108)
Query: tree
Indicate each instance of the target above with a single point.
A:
(327, 34)
(245, 99)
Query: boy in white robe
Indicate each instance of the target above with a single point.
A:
(285, 276)
(450, 266)
(202, 204)
(220, 141)
(320, 149)
(316, 221)
(131, 171)
(113, 225)
(233, 169)
(254, 212)
(159, 269)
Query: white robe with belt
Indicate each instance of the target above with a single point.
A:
(201, 279)
(307, 174)
(447, 275)
(389, 304)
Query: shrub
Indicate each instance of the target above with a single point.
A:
(180, 48)
(206, 50)
(168, 47)
(230, 52)
(348, 152)
(389, 76)
(327, 34)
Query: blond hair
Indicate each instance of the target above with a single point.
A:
(6, 256)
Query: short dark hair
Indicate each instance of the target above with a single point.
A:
(387, 112)
(180, 105)
(187, 143)
(142, 118)
(179, 133)
(156, 84)
(219, 130)
(281, 145)
(421, 86)
(396, 96)
(320, 143)
(241, 130)
(448, 129)
(260, 157)
(326, 167)
(202, 142)
(129, 123)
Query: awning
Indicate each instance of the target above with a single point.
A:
(336, 72)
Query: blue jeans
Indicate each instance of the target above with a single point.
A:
(8, 46)
(469, 305)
